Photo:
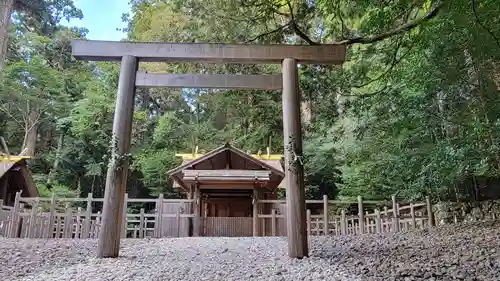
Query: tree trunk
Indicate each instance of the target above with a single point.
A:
(306, 111)
(31, 133)
(6, 7)
(55, 165)
(78, 187)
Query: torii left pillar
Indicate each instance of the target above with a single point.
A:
(296, 226)
(116, 180)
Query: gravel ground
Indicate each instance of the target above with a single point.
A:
(160, 259)
(463, 252)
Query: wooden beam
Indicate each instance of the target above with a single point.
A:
(226, 180)
(206, 52)
(209, 81)
(229, 196)
(228, 185)
(114, 195)
(294, 172)
(189, 156)
(244, 174)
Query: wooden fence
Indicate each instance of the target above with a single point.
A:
(334, 220)
(26, 219)
(74, 218)
(228, 226)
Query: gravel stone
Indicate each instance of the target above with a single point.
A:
(187, 259)
(460, 252)
(467, 251)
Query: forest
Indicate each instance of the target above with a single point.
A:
(414, 110)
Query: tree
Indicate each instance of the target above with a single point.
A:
(34, 16)
(413, 111)
(5, 12)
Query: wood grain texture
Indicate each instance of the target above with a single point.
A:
(197, 226)
(116, 180)
(207, 52)
(209, 81)
(294, 172)
(255, 213)
(226, 173)
(361, 215)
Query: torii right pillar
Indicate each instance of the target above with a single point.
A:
(296, 225)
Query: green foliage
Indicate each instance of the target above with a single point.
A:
(61, 191)
(414, 113)
(153, 165)
(423, 126)
(44, 16)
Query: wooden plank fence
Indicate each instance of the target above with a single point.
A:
(74, 218)
(410, 216)
(228, 226)
(26, 219)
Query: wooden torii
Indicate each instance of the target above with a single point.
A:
(131, 53)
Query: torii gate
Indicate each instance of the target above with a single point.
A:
(131, 53)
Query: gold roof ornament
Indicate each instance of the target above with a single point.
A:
(190, 156)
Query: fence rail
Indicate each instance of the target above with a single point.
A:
(408, 217)
(74, 218)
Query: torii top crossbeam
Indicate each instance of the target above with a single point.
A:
(205, 52)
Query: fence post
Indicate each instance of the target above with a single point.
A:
(178, 221)
(159, 216)
(189, 211)
(325, 215)
(134, 234)
(32, 222)
(141, 224)
(67, 222)
(395, 214)
(308, 214)
(13, 216)
(361, 219)
(273, 222)
(57, 226)
(343, 225)
(255, 213)
(78, 227)
(336, 220)
(88, 217)
(412, 213)
(367, 222)
(197, 211)
(97, 225)
(92, 229)
(262, 230)
(430, 215)
(203, 221)
(378, 221)
(124, 217)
